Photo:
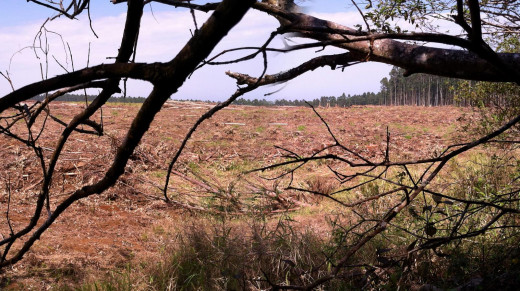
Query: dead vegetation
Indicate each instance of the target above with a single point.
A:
(130, 223)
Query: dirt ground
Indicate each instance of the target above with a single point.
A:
(130, 223)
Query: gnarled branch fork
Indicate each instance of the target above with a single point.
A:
(227, 14)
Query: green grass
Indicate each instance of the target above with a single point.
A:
(167, 138)
(160, 174)
(260, 129)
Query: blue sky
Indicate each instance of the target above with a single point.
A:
(163, 34)
(16, 12)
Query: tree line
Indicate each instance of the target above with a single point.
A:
(344, 100)
(90, 98)
(417, 89)
(396, 89)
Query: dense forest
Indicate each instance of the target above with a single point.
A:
(417, 89)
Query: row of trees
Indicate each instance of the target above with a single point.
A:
(418, 90)
(330, 101)
(341, 101)
(90, 98)
(396, 89)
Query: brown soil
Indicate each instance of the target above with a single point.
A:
(129, 224)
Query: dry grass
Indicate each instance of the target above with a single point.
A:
(127, 225)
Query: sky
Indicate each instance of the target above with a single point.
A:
(164, 31)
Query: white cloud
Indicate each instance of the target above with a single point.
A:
(163, 35)
(347, 18)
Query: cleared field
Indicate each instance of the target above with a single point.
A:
(130, 224)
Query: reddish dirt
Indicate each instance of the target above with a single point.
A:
(129, 223)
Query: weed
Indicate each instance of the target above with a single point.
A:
(239, 166)
(260, 129)
(116, 280)
(159, 230)
(194, 167)
(322, 185)
(161, 174)
(167, 138)
(224, 257)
